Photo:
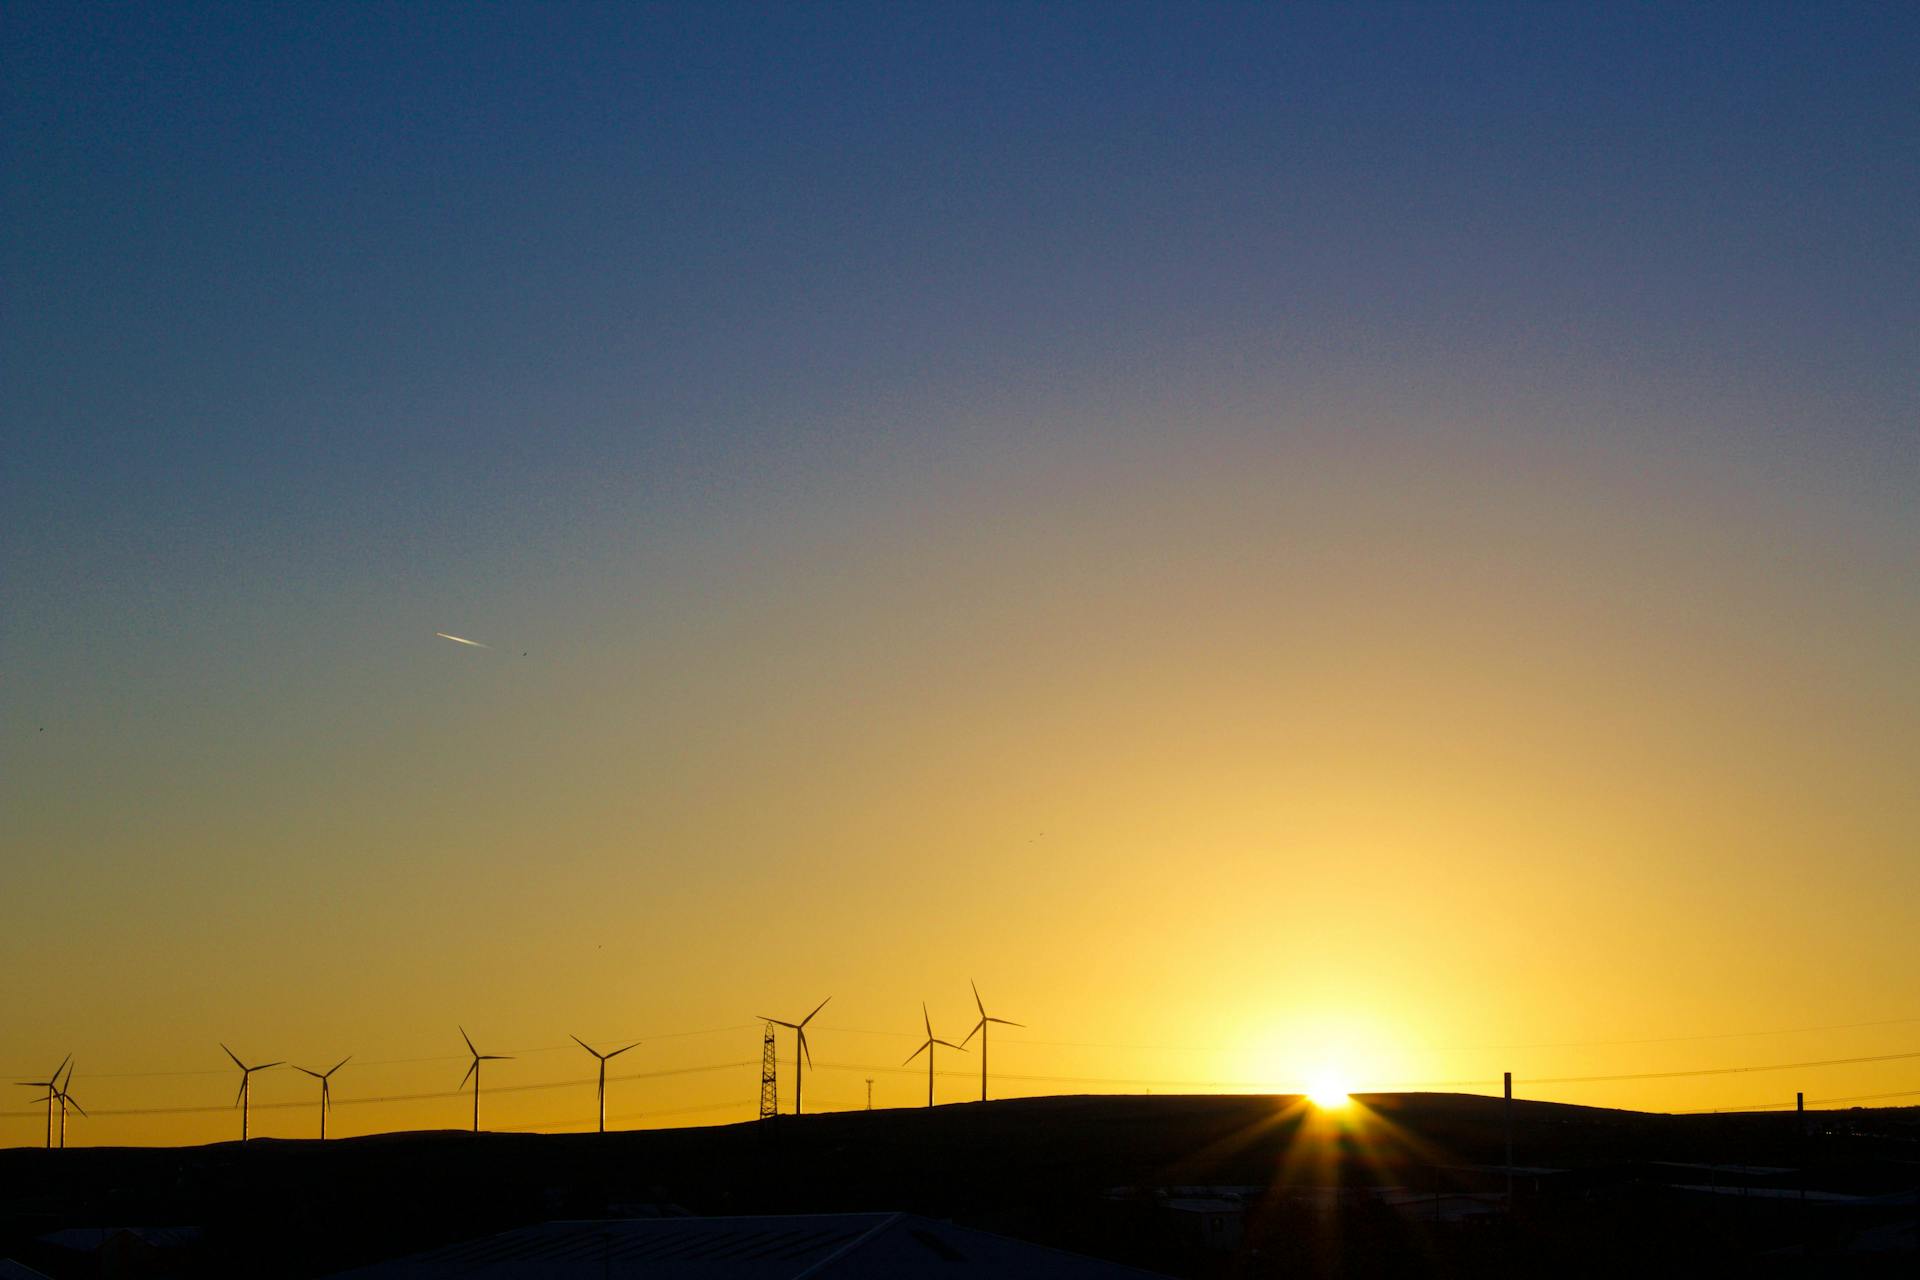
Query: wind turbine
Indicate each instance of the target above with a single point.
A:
(603, 1073)
(980, 1029)
(245, 1096)
(927, 1049)
(800, 1029)
(473, 1070)
(326, 1089)
(52, 1085)
(66, 1100)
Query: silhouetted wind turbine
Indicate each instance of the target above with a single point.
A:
(927, 1049)
(66, 1100)
(801, 1050)
(245, 1096)
(326, 1089)
(603, 1073)
(52, 1085)
(980, 1029)
(473, 1070)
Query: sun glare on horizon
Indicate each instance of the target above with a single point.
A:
(1329, 1091)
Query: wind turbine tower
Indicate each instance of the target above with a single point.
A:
(244, 1098)
(927, 1049)
(66, 1100)
(52, 1085)
(58, 1092)
(980, 1029)
(800, 1051)
(326, 1089)
(473, 1072)
(603, 1073)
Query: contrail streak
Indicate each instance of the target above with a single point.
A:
(462, 640)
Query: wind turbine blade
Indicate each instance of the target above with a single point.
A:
(781, 1022)
(917, 1052)
(336, 1066)
(1003, 1022)
(308, 1071)
(926, 1018)
(234, 1056)
(63, 1065)
(805, 1048)
(69, 1079)
(976, 1030)
(951, 1045)
(496, 1057)
(263, 1066)
(817, 1008)
(584, 1045)
(243, 1091)
(77, 1107)
(469, 1039)
(976, 997)
(471, 1068)
(617, 1052)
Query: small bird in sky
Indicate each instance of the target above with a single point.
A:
(462, 640)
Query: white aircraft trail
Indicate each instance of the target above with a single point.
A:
(462, 640)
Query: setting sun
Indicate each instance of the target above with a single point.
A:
(1328, 1092)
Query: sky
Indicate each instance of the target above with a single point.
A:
(1374, 542)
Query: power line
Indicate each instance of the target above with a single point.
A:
(1266, 1085)
(1069, 1044)
(398, 1062)
(1710, 1035)
(1782, 1104)
(1261, 1086)
(398, 1097)
(1722, 1071)
(1449, 1048)
(585, 1126)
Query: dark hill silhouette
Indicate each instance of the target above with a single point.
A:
(1076, 1172)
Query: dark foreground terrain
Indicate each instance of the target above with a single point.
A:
(1191, 1186)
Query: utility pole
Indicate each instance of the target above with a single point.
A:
(1800, 1146)
(869, 1093)
(1509, 1088)
(769, 1080)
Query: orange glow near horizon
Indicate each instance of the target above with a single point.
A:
(1329, 1092)
(1380, 815)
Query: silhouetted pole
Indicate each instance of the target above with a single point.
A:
(603, 1095)
(869, 1093)
(476, 1095)
(1509, 1109)
(1800, 1121)
(983, 1062)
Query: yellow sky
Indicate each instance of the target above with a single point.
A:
(1214, 774)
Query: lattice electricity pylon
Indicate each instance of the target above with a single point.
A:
(769, 1082)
